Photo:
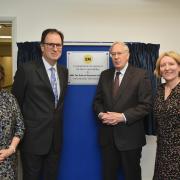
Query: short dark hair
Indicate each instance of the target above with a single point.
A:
(47, 31)
(2, 74)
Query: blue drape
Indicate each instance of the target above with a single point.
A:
(145, 56)
(28, 51)
(141, 55)
(81, 130)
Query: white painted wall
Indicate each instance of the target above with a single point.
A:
(148, 21)
(151, 21)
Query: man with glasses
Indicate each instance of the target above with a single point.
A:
(123, 99)
(39, 87)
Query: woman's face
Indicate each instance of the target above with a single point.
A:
(169, 68)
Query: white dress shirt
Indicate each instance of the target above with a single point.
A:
(47, 67)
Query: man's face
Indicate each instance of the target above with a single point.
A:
(52, 48)
(120, 56)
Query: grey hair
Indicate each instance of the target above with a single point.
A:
(126, 48)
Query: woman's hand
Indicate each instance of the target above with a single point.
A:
(4, 153)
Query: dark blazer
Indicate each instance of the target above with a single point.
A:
(134, 99)
(42, 120)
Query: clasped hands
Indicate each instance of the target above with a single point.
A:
(111, 118)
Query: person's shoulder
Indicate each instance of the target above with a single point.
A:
(107, 71)
(137, 72)
(178, 85)
(178, 88)
(137, 69)
(159, 89)
(62, 67)
(161, 86)
(5, 92)
(29, 65)
(7, 95)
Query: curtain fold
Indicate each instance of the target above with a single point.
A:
(141, 55)
(28, 51)
(145, 56)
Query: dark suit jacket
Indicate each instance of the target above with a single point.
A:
(134, 99)
(42, 120)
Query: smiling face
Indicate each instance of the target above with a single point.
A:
(120, 56)
(52, 48)
(169, 68)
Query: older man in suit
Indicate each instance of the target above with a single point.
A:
(122, 101)
(39, 87)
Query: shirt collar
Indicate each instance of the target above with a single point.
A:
(123, 70)
(47, 65)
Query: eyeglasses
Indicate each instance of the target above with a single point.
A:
(113, 54)
(53, 45)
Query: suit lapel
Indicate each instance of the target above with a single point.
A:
(41, 71)
(44, 77)
(43, 74)
(61, 77)
(124, 83)
(110, 81)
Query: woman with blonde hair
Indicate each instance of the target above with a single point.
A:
(167, 115)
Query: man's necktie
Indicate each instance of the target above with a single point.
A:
(54, 85)
(116, 84)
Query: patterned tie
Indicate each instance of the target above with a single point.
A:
(116, 84)
(54, 85)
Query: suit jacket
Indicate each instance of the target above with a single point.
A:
(35, 96)
(134, 99)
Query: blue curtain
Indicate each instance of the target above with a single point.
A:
(144, 56)
(28, 51)
(141, 55)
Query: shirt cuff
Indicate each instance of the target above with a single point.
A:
(100, 115)
(125, 120)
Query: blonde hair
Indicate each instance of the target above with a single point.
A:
(171, 54)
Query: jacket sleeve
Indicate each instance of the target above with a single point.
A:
(144, 104)
(98, 100)
(19, 85)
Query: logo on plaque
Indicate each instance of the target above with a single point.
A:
(88, 58)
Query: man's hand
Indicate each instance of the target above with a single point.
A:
(111, 118)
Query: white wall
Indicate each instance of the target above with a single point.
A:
(149, 21)
(153, 21)
(148, 158)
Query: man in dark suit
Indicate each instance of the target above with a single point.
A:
(122, 100)
(39, 87)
